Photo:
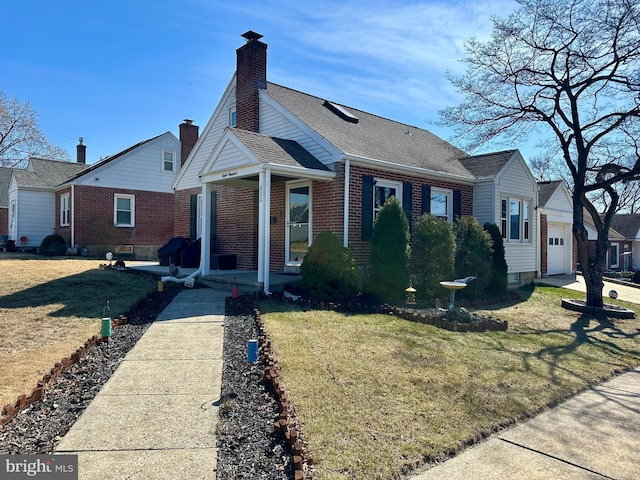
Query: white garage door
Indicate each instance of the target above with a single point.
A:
(557, 249)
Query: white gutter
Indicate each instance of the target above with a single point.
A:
(347, 175)
(415, 171)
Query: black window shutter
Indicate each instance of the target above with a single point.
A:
(426, 199)
(457, 204)
(367, 207)
(213, 216)
(407, 189)
(193, 216)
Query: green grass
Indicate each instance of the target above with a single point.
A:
(377, 395)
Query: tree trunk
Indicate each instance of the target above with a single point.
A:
(592, 261)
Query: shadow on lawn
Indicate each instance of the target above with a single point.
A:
(587, 330)
(82, 295)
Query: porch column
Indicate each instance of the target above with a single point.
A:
(205, 239)
(264, 211)
(267, 228)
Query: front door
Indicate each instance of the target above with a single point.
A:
(298, 233)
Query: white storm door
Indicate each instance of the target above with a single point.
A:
(298, 221)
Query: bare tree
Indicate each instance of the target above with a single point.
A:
(20, 134)
(571, 68)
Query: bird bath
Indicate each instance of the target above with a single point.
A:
(452, 287)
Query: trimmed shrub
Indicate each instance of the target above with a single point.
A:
(389, 258)
(329, 272)
(53, 246)
(433, 255)
(499, 281)
(474, 256)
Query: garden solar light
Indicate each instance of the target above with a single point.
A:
(411, 295)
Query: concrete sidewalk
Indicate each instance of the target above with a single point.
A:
(156, 416)
(595, 435)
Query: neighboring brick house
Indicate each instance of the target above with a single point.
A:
(623, 253)
(5, 180)
(274, 167)
(32, 199)
(558, 250)
(124, 203)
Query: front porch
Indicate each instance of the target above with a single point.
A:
(246, 280)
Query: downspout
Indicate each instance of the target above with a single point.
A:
(538, 239)
(73, 216)
(261, 221)
(347, 175)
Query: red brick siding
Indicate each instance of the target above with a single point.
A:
(182, 212)
(94, 228)
(361, 249)
(4, 221)
(64, 232)
(544, 245)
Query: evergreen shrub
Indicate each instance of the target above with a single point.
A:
(389, 258)
(329, 272)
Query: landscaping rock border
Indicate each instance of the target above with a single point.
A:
(613, 311)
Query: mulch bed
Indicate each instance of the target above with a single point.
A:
(248, 445)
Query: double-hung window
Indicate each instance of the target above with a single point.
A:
(65, 210)
(168, 161)
(382, 191)
(441, 202)
(124, 210)
(515, 219)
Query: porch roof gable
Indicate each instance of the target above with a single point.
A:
(258, 150)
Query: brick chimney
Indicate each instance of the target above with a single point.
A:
(251, 76)
(81, 152)
(188, 138)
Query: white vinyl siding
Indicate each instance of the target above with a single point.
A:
(137, 169)
(35, 216)
(274, 124)
(211, 135)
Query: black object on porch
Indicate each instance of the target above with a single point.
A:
(190, 255)
(170, 252)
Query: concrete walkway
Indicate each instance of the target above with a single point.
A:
(156, 417)
(593, 436)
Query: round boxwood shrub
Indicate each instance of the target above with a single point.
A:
(329, 272)
(53, 246)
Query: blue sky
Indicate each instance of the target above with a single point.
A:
(118, 72)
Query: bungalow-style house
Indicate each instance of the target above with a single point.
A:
(505, 194)
(618, 246)
(32, 199)
(5, 181)
(623, 253)
(124, 203)
(274, 167)
(558, 252)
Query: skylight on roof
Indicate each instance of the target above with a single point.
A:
(341, 112)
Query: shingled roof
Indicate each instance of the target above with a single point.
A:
(487, 164)
(278, 151)
(46, 173)
(361, 134)
(627, 224)
(546, 190)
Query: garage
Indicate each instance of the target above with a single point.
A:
(558, 249)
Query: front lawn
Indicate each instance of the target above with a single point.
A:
(50, 307)
(378, 396)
